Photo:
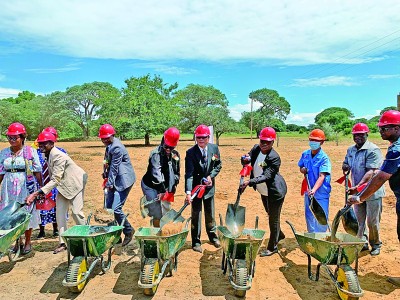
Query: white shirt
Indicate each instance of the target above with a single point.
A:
(257, 171)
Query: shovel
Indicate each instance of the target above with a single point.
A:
(349, 220)
(315, 207)
(173, 216)
(144, 211)
(236, 215)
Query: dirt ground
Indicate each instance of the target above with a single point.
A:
(39, 275)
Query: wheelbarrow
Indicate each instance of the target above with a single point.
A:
(159, 255)
(239, 254)
(10, 231)
(87, 243)
(341, 253)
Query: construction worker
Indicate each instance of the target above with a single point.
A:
(315, 164)
(389, 129)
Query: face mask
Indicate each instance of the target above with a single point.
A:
(314, 145)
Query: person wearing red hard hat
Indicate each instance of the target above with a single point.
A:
(48, 216)
(363, 159)
(202, 165)
(119, 177)
(68, 178)
(20, 175)
(316, 165)
(266, 179)
(162, 175)
(389, 129)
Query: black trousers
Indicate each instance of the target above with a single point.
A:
(273, 208)
(209, 215)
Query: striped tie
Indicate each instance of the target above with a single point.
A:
(45, 173)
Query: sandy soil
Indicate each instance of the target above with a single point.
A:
(284, 276)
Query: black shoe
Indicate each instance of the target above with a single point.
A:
(197, 248)
(365, 247)
(268, 252)
(41, 235)
(55, 234)
(127, 239)
(375, 252)
(217, 244)
(281, 237)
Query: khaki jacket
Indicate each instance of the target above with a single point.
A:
(65, 175)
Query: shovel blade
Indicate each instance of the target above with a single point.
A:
(235, 219)
(318, 211)
(350, 223)
(168, 217)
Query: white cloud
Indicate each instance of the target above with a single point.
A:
(237, 109)
(384, 76)
(325, 81)
(301, 119)
(286, 32)
(6, 93)
(67, 68)
(164, 68)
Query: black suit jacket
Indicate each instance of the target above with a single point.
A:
(194, 168)
(277, 188)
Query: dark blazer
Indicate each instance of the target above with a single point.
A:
(120, 171)
(194, 168)
(277, 188)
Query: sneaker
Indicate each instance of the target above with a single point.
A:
(375, 252)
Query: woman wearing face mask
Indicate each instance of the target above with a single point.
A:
(266, 179)
(316, 164)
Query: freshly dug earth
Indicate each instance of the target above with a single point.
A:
(282, 276)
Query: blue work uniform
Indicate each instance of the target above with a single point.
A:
(320, 163)
(391, 165)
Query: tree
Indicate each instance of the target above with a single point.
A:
(333, 116)
(273, 105)
(201, 105)
(85, 100)
(148, 106)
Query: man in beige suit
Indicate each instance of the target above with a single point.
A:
(68, 178)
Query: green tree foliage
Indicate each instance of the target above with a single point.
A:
(147, 107)
(202, 105)
(85, 100)
(388, 108)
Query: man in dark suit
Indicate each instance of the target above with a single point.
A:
(202, 161)
(120, 176)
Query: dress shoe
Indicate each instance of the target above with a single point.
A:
(268, 252)
(375, 252)
(197, 248)
(41, 235)
(217, 244)
(127, 239)
(394, 280)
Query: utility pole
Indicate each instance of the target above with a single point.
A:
(251, 120)
(398, 102)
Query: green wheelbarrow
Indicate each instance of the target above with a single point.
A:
(88, 243)
(239, 254)
(159, 255)
(11, 231)
(341, 253)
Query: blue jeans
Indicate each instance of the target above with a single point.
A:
(116, 200)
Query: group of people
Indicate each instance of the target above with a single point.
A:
(29, 175)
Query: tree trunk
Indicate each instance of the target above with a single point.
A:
(217, 135)
(147, 139)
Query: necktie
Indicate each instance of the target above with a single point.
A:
(204, 159)
(45, 173)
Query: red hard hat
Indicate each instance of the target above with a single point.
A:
(106, 131)
(171, 136)
(267, 134)
(202, 130)
(360, 128)
(16, 129)
(52, 130)
(317, 134)
(45, 137)
(390, 117)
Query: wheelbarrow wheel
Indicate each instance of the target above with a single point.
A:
(13, 255)
(76, 271)
(151, 270)
(241, 277)
(347, 278)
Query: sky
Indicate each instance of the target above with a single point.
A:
(315, 54)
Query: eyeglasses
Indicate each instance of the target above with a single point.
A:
(168, 147)
(13, 138)
(201, 137)
(385, 128)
